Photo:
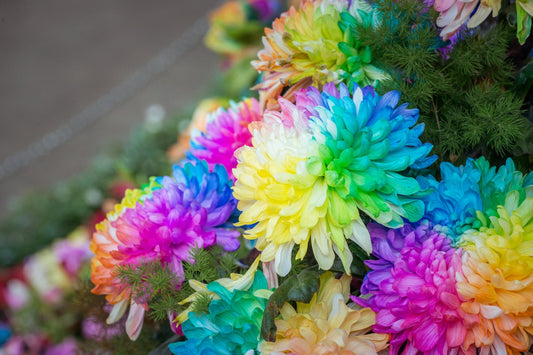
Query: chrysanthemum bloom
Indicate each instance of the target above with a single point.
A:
(232, 325)
(189, 210)
(455, 13)
(419, 304)
(455, 198)
(498, 274)
(226, 131)
(309, 47)
(314, 165)
(326, 325)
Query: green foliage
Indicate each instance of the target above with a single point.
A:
(464, 94)
(156, 284)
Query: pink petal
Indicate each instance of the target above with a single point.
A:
(134, 323)
(443, 5)
(455, 334)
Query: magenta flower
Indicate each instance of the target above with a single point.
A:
(226, 131)
(419, 305)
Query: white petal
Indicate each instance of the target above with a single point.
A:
(481, 14)
(117, 312)
(283, 258)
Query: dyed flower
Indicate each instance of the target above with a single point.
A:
(419, 304)
(226, 131)
(309, 47)
(315, 164)
(498, 277)
(455, 198)
(455, 13)
(326, 325)
(232, 325)
(188, 210)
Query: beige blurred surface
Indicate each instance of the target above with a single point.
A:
(59, 57)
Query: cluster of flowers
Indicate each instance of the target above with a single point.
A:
(452, 259)
(41, 288)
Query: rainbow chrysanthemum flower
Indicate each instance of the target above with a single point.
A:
(316, 164)
(232, 325)
(498, 276)
(315, 45)
(419, 304)
(190, 210)
(226, 131)
(455, 198)
(326, 325)
(187, 210)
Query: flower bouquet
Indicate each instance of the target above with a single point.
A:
(363, 202)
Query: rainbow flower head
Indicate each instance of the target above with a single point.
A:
(326, 325)
(226, 131)
(419, 304)
(455, 198)
(308, 47)
(233, 323)
(497, 276)
(314, 165)
(189, 209)
(504, 244)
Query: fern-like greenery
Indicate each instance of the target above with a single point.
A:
(463, 92)
(163, 290)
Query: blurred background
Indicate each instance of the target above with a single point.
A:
(79, 76)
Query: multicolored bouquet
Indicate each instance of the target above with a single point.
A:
(349, 238)
(366, 202)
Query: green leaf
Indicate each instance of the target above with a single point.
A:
(298, 288)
